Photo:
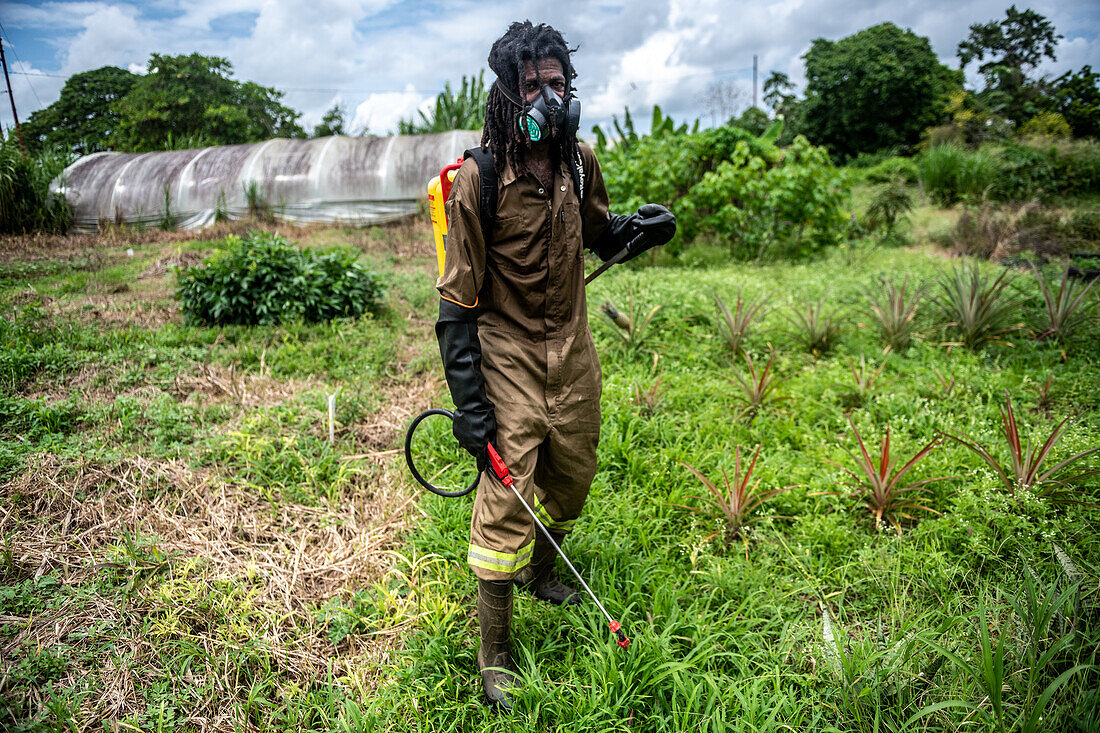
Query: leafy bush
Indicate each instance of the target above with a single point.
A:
(729, 183)
(26, 204)
(1025, 173)
(892, 169)
(265, 279)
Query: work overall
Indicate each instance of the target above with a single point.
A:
(540, 365)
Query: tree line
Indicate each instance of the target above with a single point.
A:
(884, 87)
(881, 88)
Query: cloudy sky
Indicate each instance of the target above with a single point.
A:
(383, 59)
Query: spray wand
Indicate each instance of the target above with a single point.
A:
(500, 468)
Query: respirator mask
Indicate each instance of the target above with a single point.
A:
(548, 112)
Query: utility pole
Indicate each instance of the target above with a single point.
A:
(754, 80)
(18, 131)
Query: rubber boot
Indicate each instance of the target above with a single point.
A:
(494, 656)
(539, 579)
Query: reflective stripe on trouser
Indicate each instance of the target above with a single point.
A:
(550, 449)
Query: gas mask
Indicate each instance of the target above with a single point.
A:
(536, 124)
(547, 113)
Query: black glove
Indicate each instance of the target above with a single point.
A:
(650, 226)
(475, 423)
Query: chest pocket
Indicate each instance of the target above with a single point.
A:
(514, 244)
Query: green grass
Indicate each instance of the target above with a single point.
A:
(161, 432)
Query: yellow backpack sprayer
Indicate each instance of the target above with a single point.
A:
(438, 190)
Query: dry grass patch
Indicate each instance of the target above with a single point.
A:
(224, 384)
(207, 565)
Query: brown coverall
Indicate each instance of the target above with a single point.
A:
(540, 365)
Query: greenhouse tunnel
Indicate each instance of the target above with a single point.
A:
(350, 180)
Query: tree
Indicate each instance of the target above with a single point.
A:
(462, 111)
(721, 100)
(192, 100)
(1014, 47)
(84, 117)
(778, 90)
(878, 88)
(754, 119)
(332, 122)
(1077, 98)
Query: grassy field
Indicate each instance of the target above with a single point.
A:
(182, 548)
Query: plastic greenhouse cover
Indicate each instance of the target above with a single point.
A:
(354, 180)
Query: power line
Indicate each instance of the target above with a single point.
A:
(20, 61)
(40, 73)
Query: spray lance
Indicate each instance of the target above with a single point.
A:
(500, 469)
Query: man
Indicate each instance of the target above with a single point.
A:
(513, 326)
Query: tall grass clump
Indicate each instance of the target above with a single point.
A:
(949, 173)
(265, 279)
(26, 204)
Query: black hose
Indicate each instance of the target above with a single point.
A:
(412, 467)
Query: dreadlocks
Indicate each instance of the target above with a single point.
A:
(521, 43)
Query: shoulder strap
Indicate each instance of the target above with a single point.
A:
(487, 172)
(578, 174)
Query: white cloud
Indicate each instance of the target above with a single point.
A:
(380, 113)
(111, 35)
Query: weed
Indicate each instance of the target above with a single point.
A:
(1064, 309)
(1023, 470)
(895, 311)
(1016, 701)
(977, 311)
(737, 501)
(735, 326)
(259, 209)
(817, 327)
(878, 483)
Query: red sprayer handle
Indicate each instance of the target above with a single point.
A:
(500, 468)
(445, 180)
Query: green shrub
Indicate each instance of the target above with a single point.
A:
(726, 182)
(1076, 166)
(1025, 173)
(1085, 225)
(26, 204)
(264, 279)
(893, 169)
